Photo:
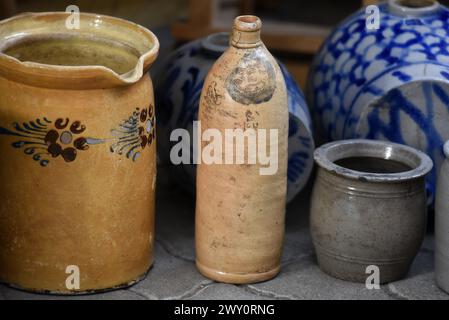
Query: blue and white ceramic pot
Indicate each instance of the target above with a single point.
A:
(179, 83)
(388, 83)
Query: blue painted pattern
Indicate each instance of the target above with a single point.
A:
(389, 83)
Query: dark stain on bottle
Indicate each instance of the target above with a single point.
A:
(253, 81)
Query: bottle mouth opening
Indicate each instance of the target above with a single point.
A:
(246, 32)
(413, 7)
(247, 23)
(248, 19)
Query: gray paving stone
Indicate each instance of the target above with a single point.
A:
(175, 221)
(420, 282)
(298, 242)
(170, 278)
(303, 279)
(429, 243)
(226, 291)
(13, 294)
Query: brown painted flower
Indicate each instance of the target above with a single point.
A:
(62, 140)
(146, 126)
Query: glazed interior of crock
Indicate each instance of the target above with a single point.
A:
(373, 165)
(107, 49)
(74, 50)
(373, 160)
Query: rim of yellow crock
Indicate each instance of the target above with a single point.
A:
(85, 72)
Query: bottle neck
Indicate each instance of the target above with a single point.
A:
(246, 32)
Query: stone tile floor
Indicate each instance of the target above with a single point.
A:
(174, 275)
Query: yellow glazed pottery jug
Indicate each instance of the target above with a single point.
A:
(77, 152)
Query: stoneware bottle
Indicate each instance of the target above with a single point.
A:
(240, 212)
(368, 208)
(178, 83)
(384, 74)
(442, 225)
(77, 152)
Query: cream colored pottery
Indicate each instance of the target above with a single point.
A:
(368, 208)
(78, 154)
(442, 225)
(239, 212)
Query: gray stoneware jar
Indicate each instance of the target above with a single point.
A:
(442, 225)
(368, 208)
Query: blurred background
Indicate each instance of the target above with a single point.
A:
(293, 29)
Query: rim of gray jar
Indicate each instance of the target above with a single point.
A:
(216, 42)
(326, 156)
(446, 149)
(399, 8)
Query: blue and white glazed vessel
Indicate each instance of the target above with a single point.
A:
(179, 83)
(388, 84)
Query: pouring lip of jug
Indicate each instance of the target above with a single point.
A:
(131, 35)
